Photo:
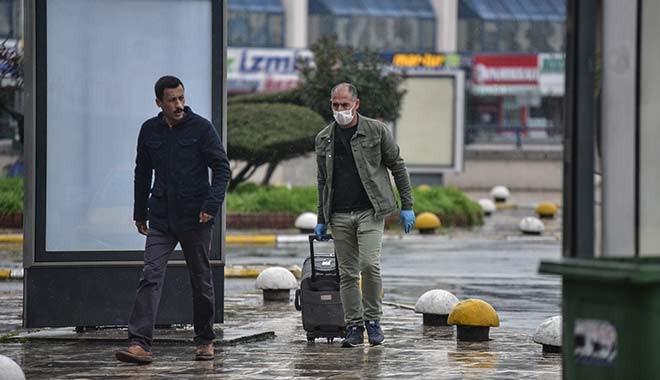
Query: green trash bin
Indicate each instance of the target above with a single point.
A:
(611, 317)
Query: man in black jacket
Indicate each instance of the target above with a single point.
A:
(179, 146)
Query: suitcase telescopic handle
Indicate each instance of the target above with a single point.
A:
(313, 237)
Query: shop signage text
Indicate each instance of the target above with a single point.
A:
(425, 60)
(505, 70)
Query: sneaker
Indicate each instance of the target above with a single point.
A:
(354, 336)
(375, 333)
(134, 354)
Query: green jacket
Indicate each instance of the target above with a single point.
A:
(375, 151)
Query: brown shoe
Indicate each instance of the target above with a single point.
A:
(134, 354)
(204, 352)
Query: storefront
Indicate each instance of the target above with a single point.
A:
(513, 96)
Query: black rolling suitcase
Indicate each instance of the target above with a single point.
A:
(318, 296)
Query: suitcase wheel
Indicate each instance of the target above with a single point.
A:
(311, 338)
(331, 340)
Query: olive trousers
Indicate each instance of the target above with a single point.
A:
(358, 237)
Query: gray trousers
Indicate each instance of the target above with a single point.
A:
(358, 239)
(196, 246)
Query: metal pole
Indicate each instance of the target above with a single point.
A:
(580, 121)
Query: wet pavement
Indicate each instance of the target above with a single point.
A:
(494, 263)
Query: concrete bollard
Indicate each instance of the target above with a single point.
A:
(473, 319)
(427, 223)
(500, 194)
(276, 284)
(487, 205)
(546, 210)
(435, 306)
(531, 226)
(548, 334)
(9, 370)
(306, 222)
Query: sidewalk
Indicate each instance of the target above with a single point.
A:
(411, 351)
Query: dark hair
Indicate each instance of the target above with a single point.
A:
(351, 89)
(167, 81)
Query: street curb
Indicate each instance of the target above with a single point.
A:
(229, 337)
(231, 271)
(230, 239)
(11, 239)
(253, 271)
(7, 274)
(251, 239)
(506, 206)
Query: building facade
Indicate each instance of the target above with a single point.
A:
(511, 50)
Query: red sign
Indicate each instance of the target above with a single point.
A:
(505, 70)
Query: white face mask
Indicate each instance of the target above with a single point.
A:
(343, 117)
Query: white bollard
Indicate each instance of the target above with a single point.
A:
(276, 283)
(487, 205)
(500, 194)
(435, 306)
(531, 225)
(9, 370)
(548, 334)
(306, 222)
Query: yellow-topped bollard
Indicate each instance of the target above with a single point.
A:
(473, 319)
(427, 223)
(424, 188)
(546, 210)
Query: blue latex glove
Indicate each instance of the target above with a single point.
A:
(407, 218)
(321, 231)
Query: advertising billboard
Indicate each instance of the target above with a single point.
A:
(263, 70)
(430, 128)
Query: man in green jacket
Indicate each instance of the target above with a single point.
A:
(353, 155)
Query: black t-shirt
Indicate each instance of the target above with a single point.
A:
(349, 194)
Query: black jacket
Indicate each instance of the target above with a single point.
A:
(180, 157)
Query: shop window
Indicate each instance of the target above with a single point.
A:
(255, 29)
(397, 25)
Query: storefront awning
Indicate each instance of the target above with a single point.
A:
(265, 6)
(513, 10)
(382, 8)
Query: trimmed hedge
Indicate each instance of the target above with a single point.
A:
(291, 96)
(270, 132)
(450, 204)
(11, 195)
(249, 197)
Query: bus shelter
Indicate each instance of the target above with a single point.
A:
(90, 68)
